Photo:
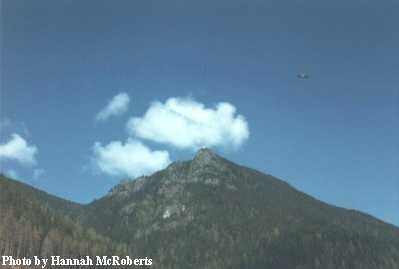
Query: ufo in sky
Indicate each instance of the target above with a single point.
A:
(302, 76)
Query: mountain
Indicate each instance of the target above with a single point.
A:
(34, 223)
(211, 213)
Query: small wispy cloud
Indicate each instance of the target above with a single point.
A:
(8, 126)
(131, 159)
(116, 106)
(12, 173)
(4, 123)
(18, 149)
(186, 123)
(38, 173)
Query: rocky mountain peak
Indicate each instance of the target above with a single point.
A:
(205, 156)
(206, 161)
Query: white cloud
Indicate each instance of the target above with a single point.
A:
(131, 159)
(186, 123)
(17, 149)
(37, 173)
(117, 106)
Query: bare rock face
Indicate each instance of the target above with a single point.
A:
(206, 160)
(204, 157)
(163, 201)
(126, 187)
(206, 167)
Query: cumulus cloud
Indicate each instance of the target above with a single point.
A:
(117, 106)
(186, 123)
(17, 149)
(131, 159)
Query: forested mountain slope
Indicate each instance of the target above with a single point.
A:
(33, 222)
(211, 213)
(204, 213)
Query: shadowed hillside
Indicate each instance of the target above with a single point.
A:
(34, 223)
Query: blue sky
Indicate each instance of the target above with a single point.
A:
(334, 136)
